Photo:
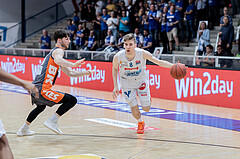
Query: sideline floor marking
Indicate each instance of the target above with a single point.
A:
(80, 156)
(206, 120)
(118, 123)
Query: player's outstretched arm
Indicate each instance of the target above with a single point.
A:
(150, 57)
(114, 76)
(72, 73)
(9, 78)
(58, 59)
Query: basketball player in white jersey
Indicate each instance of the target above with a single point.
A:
(134, 80)
(5, 151)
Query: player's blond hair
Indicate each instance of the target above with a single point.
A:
(129, 37)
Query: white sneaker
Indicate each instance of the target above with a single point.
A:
(52, 126)
(22, 132)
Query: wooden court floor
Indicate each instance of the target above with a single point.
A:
(94, 128)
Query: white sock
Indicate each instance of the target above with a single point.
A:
(54, 117)
(25, 126)
(140, 119)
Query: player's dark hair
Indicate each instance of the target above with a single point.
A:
(61, 34)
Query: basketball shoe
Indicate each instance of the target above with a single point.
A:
(52, 126)
(141, 126)
(22, 132)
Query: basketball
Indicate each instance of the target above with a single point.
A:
(178, 71)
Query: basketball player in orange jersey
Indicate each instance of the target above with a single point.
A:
(5, 150)
(44, 81)
(131, 63)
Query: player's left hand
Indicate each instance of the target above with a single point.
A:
(79, 63)
(115, 93)
(31, 88)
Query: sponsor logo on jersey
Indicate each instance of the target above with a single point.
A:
(142, 87)
(138, 62)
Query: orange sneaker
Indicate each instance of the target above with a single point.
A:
(141, 126)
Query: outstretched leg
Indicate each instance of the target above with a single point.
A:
(24, 130)
(68, 102)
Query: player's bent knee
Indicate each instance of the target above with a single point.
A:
(146, 109)
(133, 102)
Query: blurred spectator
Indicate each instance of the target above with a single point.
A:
(83, 11)
(91, 44)
(179, 14)
(163, 32)
(235, 7)
(225, 11)
(137, 23)
(172, 22)
(97, 26)
(124, 23)
(72, 29)
(153, 18)
(139, 38)
(104, 26)
(98, 6)
(224, 63)
(190, 13)
(226, 35)
(90, 12)
(76, 18)
(147, 41)
(45, 40)
(120, 40)
(213, 6)
(111, 7)
(80, 38)
(145, 23)
(112, 23)
(205, 61)
(162, 4)
(201, 10)
(85, 29)
(121, 8)
(109, 41)
(203, 38)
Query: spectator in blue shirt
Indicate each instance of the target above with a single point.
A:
(172, 22)
(145, 23)
(45, 40)
(147, 41)
(190, 13)
(179, 12)
(226, 35)
(139, 37)
(80, 39)
(109, 41)
(75, 18)
(213, 6)
(163, 32)
(225, 11)
(91, 43)
(104, 26)
(153, 18)
(124, 23)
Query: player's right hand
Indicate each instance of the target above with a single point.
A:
(79, 63)
(115, 93)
